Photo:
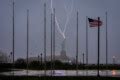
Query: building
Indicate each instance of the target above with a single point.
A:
(62, 57)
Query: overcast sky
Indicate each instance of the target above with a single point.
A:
(90, 8)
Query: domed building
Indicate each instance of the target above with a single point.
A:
(62, 57)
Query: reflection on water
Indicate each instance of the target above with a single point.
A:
(65, 73)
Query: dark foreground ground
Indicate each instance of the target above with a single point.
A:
(57, 78)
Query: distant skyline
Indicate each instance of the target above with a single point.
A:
(89, 8)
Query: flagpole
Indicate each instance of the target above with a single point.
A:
(45, 38)
(54, 40)
(106, 43)
(13, 47)
(51, 44)
(86, 44)
(77, 46)
(86, 40)
(27, 38)
(98, 46)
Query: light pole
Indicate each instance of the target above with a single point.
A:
(114, 60)
(38, 57)
(83, 58)
(41, 58)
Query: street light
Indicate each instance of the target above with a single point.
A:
(38, 57)
(83, 58)
(114, 60)
(41, 58)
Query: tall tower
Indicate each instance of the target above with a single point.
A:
(63, 50)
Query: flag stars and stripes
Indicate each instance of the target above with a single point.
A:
(94, 22)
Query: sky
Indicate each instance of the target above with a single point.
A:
(65, 9)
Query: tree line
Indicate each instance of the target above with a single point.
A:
(38, 65)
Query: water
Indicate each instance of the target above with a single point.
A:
(115, 73)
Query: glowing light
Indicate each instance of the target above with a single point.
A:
(114, 72)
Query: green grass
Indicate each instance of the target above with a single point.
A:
(57, 78)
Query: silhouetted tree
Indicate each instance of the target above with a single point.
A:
(20, 63)
(34, 65)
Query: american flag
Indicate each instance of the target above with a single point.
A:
(94, 22)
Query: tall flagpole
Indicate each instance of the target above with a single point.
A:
(45, 38)
(77, 46)
(27, 38)
(106, 43)
(51, 44)
(98, 47)
(86, 40)
(54, 40)
(13, 47)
